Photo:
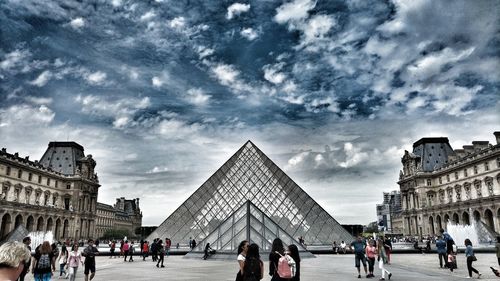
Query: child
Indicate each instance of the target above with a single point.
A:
(452, 261)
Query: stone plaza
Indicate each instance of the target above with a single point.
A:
(407, 267)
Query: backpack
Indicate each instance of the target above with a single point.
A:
(252, 270)
(284, 267)
(43, 262)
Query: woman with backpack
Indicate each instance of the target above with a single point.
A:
(293, 251)
(63, 260)
(253, 268)
(74, 259)
(277, 251)
(242, 253)
(43, 262)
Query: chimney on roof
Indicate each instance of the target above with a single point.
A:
(469, 149)
(479, 145)
(460, 153)
(497, 136)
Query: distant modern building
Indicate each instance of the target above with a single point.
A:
(439, 184)
(124, 215)
(57, 193)
(389, 209)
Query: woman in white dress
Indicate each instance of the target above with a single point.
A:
(242, 252)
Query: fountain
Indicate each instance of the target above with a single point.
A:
(38, 237)
(461, 232)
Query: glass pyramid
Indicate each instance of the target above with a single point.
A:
(249, 175)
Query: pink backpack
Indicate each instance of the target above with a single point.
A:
(284, 269)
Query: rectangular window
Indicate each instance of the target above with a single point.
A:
(429, 182)
(486, 166)
(68, 186)
(448, 178)
(475, 169)
(465, 172)
(19, 173)
(48, 181)
(8, 171)
(30, 176)
(498, 162)
(57, 183)
(456, 175)
(39, 179)
(440, 180)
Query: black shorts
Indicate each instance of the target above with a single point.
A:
(359, 257)
(89, 267)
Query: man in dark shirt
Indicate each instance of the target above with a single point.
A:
(89, 253)
(359, 254)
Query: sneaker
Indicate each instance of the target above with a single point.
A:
(390, 274)
(157, 266)
(478, 275)
(468, 277)
(162, 266)
(359, 276)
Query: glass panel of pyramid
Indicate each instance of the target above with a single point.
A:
(249, 175)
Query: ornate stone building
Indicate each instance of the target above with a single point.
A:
(125, 214)
(439, 184)
(57, 193)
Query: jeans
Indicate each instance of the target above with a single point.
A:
(470, 268)
(61, 269)
(43, 276)
(442, 257)
(371, 263)
(72, 273)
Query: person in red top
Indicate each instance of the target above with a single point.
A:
(168, 243)
(371, 252)
(145, 250)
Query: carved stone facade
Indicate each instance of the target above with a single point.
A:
(125, 214)
(439, 184)
(57, 193)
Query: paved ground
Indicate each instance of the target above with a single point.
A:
(407, 267)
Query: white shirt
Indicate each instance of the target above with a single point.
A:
(241, 257)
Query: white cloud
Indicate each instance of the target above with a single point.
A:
(25, 115)
(317, 27)
(249, 33)
(157, 169)
(205, 52)
(96, 78)
(178, 23)
(237, 9)
(197, 97)
(226, 74)
(293, 11)
(39, 100)
(14, 59)
(42, 79)
(77, 23)
(147, 16)
(272, 73)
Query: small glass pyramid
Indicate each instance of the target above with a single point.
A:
(249, 175)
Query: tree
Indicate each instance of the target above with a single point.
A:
(115, 234)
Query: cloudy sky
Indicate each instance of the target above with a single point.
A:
(163, 92)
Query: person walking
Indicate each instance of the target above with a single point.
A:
(293, 252)
(441, 250)
(382, 260)
(359, 254)
(63, 260)
(242, 252)
(89, 254)
(154, 250)
(168, 244)
(131, 251)
(208, 250)
(388, 249)
(253, 268)
(43, 262)
(371, 252)
(145, 250)
(448, 239)
(126, 248)
(161, 253)
(343, 246)
(277, 250)
(112, 248)
(74, 259)
(469, 254)
(26, 268)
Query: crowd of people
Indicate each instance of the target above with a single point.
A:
(16, 260)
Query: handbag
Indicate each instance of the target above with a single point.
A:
(474, 258)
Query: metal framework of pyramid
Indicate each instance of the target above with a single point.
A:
(279, 208)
